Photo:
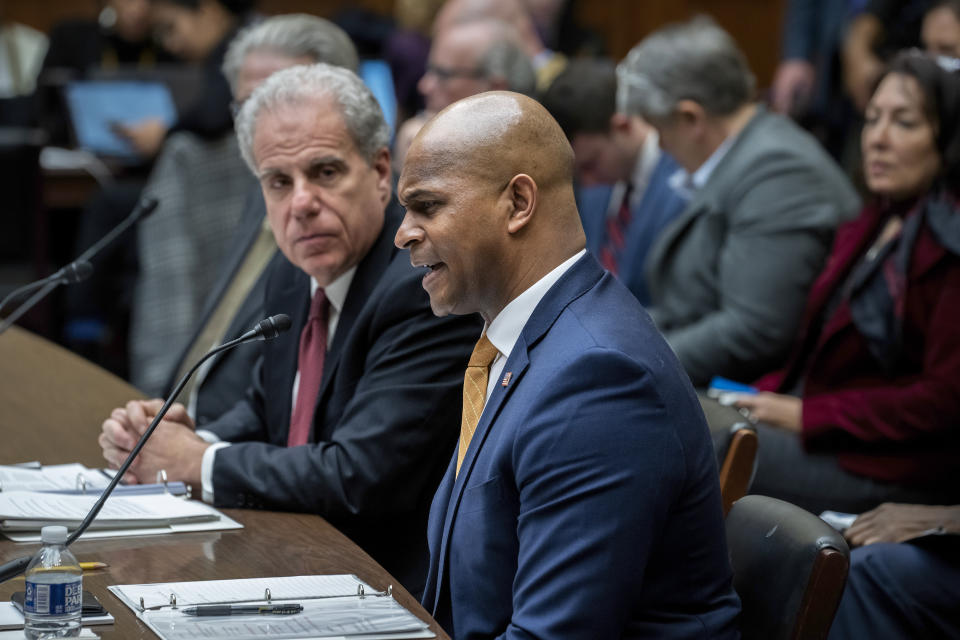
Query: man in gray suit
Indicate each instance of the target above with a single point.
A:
(729, 276)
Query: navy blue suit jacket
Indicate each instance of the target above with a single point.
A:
(387, 415)
(659, 205)
(588, 504)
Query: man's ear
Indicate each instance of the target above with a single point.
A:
(381, 164)
(619, 123)
(521, 195)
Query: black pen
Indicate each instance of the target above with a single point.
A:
(242, 609)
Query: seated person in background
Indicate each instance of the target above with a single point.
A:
(194, 31)
(904, 579)
(234, 303)
(940, 33)
(867, 408)
(352, 414)
(583, 500)
(466, 59)
(728, 277)
(197, 31)
(623, 194)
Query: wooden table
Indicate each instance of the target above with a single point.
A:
(51, 407)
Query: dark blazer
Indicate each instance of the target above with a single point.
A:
(587, 505)
(228, 377)
(658, 207)
(387, 416)
(729, 276)
(903, 427)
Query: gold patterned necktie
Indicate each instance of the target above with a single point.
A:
(474, 392)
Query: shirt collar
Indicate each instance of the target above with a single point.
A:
(336, 291)
(687, 184)
(505, 329)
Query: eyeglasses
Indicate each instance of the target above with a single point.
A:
(446, 73)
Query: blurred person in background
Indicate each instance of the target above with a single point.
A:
(867, 407)
(623, 191)
(465, 59)
(807, 84)
(728, 277)
(941, 29)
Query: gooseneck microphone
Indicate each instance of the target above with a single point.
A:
(266, 329)
(78, 270)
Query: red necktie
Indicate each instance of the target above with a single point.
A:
(313, 348)
(617, 226)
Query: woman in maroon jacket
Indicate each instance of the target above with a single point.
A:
(867, 408)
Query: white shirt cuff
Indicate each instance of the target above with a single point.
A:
(206, 468)
(209, 436)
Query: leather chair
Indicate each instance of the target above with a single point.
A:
(789, 568)
(736, 449)
(735, 443)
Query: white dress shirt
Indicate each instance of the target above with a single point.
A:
(505, 329)
(684, 183)
(336, 293)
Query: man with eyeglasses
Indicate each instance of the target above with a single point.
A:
(466, 59)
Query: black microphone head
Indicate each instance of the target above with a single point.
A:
(145, 207)
(77, 271)
(270, 328)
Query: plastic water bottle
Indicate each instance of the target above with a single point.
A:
(54, 593)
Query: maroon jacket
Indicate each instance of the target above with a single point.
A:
(903, 427)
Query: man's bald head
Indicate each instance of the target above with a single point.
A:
(488, 186)
(496, 135)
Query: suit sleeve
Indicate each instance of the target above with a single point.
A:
(593, 498)
(909, 407)
(780, 227)
(401, 418)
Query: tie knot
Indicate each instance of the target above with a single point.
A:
(318, 305)
(483, 354)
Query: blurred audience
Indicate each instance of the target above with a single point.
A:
(208, 204)
(196, 31)
(904, 579)
(623, 192)
(466, 59)
(546, 62)
(867, 407)
(729, 276)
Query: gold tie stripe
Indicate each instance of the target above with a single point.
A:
(474, 392)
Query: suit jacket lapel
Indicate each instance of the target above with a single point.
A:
(580, 278)
(293, 298)
(365, 280)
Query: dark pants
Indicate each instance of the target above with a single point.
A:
(814, 481)
(900, 591)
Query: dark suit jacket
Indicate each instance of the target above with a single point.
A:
(229, 375)
(901, 427)
(387, 416)
(729, 276)
(658, 207)
(587, 505)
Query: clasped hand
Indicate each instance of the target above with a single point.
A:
(173, 446)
